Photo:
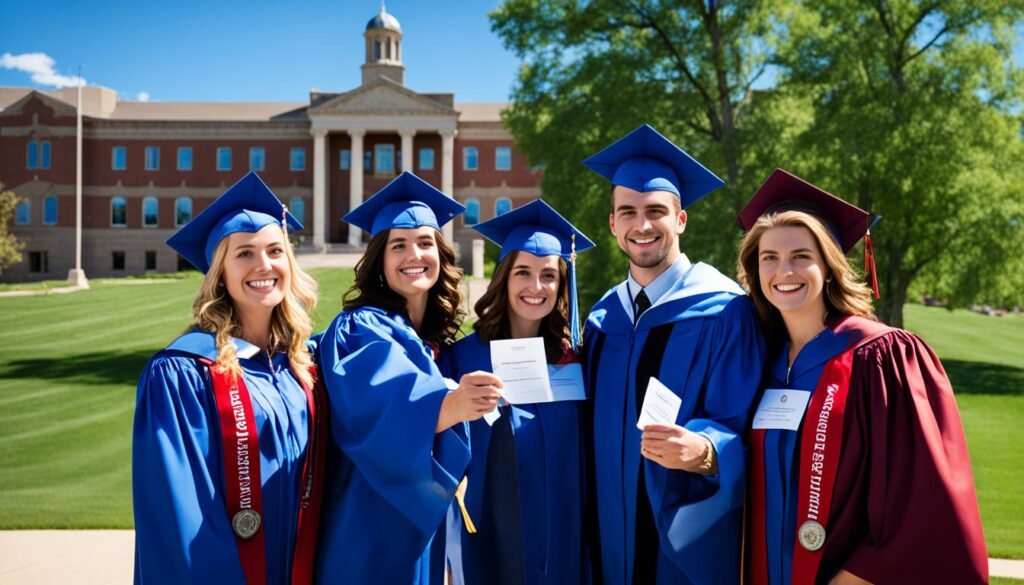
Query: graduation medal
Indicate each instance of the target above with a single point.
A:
(245, 523)
(811, 535)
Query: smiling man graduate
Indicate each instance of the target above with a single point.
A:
(668, 499)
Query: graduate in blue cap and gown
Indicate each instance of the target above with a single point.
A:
(398, 424)
(860, 471)
(524, 484)
(225, 459)
(668, 497)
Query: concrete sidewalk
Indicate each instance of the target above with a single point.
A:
(106, 557)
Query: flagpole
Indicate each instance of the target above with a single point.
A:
(77, 276)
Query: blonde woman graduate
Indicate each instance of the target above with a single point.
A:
(398, 425)
(226, 459)
(860, 471)
(524, 490)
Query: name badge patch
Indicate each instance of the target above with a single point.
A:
(781, 409)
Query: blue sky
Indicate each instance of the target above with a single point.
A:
(252, 51)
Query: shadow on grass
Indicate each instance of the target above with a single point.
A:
(114, 367)
(982, 378)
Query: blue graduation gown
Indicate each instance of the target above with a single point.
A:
(547, 446)
(702, 340)
(390, 478)
(903, 507)
(182, 530)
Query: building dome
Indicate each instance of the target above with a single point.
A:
(384, 21)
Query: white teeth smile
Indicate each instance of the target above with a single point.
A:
(413, 271)
(262, 283)
(533, 300)
(643, 241)
(788, 287)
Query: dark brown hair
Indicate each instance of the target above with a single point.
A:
(444, 312)
(492, 310)
(845, 293)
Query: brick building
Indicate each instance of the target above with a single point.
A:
(148, 167)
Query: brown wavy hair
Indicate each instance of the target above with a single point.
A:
(492, 310)
(845, 293)
(444, 313)
(213, 311)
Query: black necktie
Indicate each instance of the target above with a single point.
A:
(642, 303)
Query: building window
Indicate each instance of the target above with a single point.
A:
(426, 159)
(385, 155)
(472, 215)
(368, 161)
(50, 210)
(297, 159)
(152, 158)
(503, 158)
(150, 212)
(119, 158)
(23, 212)
(184, 158)
(32, 155)
(297, 206)
(224, 158)
(44, 158)
(502, 206)
(345, 160)
(150, 260)
(38, 261)
(184, 264)
(118, 260)
(257, 158)
(376, 51)
(470, 159)
(118, 212)
(182, 211)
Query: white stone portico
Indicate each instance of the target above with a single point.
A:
(380, 106)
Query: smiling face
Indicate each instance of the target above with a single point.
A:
(647, 227)
(792, 272)
(532, 290)
(256, 270)
(411, 262)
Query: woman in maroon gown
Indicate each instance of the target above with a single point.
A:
(860, 471)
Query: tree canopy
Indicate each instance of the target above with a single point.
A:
(10, 247)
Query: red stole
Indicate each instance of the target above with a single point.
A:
(241, 458)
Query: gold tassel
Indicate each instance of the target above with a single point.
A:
(460, 497)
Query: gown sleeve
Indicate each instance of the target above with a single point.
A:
(182, 533)
(922, 521)
(385, 396)
(709, 505)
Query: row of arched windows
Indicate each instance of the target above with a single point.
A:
(23, 211)
(38, 155)
(182, 211)
(502, 205)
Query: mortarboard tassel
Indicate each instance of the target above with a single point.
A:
(574, 308)
(869, 269)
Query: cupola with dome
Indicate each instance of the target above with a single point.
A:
(383, 48)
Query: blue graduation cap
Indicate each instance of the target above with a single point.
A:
(644, 161)
(407, 202)
(248, 206)
(540, 230)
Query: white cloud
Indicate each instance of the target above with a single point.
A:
(40, 67)
(143, 96)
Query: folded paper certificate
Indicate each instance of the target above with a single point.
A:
(781, 409)
(661, 405)
(567, 382)
(523, 368)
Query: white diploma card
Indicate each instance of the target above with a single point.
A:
(661, 405)
(781, 409)
(523, 368)
(492, 416)
(567, 382)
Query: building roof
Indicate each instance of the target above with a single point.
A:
(9, 95)
(480, 112)
(385, 21)
(202, 111)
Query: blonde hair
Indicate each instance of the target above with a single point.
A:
(213, 311)
(845, 293)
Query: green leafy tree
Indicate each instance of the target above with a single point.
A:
(917, 119)
(593, 71)
(10, 247)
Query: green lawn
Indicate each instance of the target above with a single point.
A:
(69, 363)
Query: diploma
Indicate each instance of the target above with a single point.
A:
(781, 409)
(567, 382)
(522, 366)
(661, 405)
